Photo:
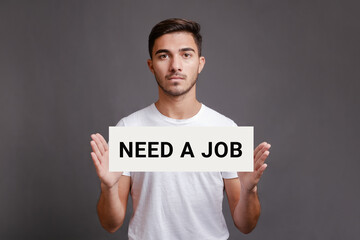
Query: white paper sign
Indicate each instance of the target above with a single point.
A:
(149, 149)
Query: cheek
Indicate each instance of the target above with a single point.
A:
(159, 72)
(160, 67)
(193, 67)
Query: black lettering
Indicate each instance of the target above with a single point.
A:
(235, 147)
(163, 154)
(217, 149)
(210, 151)
(189, 151)
(151, 149)
(138, 149)
(127, 150)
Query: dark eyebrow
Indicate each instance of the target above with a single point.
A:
(186, 49)
(180, 50)
(162, 51)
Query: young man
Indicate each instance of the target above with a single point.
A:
(177, 205)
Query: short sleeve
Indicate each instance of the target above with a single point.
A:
(234, 124)
(126, 174)
(229, 175)
(121, 123)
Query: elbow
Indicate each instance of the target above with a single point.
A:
(111, 228)
(110, 222)
(247, 225)
(246, 229)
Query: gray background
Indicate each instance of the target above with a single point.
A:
(72, 68)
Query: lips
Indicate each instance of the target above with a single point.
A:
(174, 77)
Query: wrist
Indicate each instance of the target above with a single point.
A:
(107, 188)
(249, 190)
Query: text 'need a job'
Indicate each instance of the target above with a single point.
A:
(151, 150)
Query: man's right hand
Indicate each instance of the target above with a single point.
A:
(100, 156)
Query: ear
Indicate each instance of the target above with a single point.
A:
(201, 63)
(150, 65)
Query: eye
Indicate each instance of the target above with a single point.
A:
(187, 55)
(163, 56)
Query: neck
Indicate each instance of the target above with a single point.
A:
(179, 107)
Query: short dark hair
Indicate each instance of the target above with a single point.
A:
(175, 25)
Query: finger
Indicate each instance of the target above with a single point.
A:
(98, 167)
(260, 171)
(96, 162)
(96, 150)
(259, 147)
(266, 147)
(98, 143)
(261, 160)
(103, 141)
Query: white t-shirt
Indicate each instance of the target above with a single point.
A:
(177, 205)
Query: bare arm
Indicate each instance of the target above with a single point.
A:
(115, 188)
(242, 192)
(112, 204)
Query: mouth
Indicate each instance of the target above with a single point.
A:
(176, 77)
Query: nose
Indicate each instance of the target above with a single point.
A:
(176, 64)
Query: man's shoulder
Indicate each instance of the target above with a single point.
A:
(217, 118)
(137, 117)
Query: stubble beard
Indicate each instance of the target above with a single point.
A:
(179, 92)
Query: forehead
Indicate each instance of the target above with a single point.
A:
(175, 41)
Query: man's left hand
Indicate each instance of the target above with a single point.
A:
(249, 180)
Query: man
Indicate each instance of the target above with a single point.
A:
(177, 205)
